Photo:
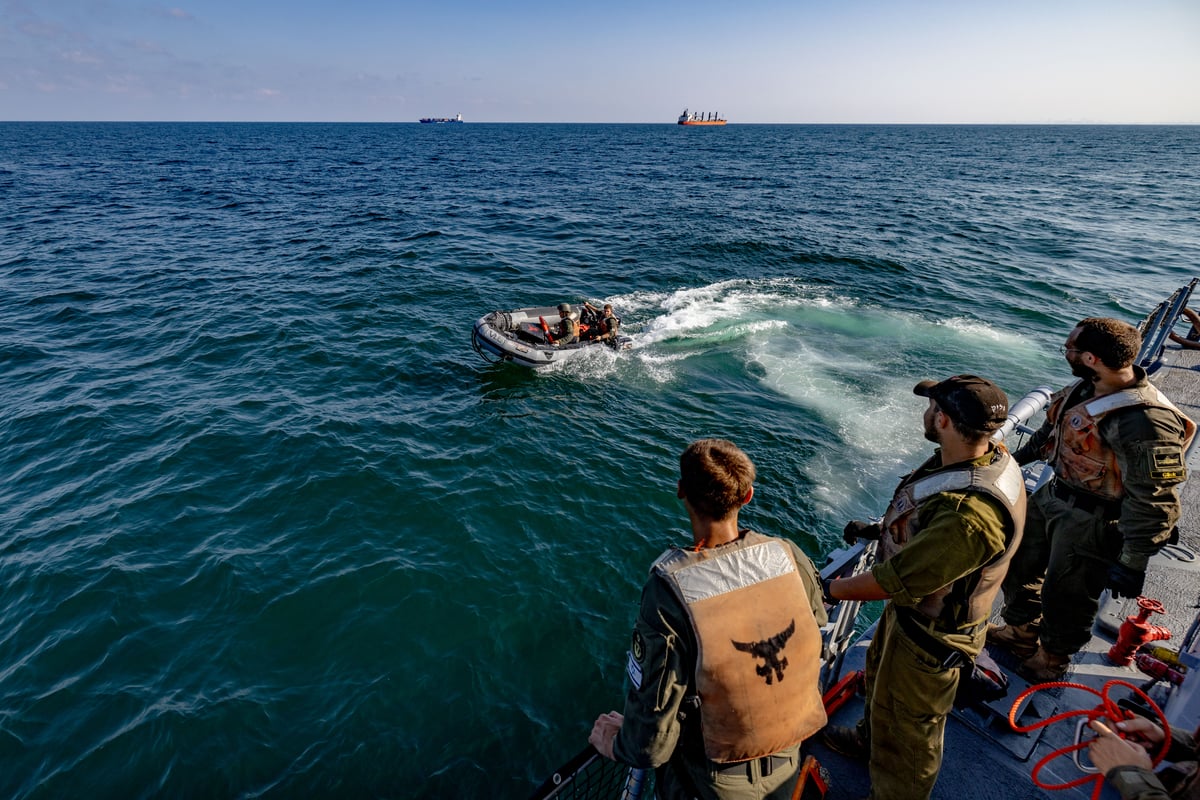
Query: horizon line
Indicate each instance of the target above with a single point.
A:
(575, 122)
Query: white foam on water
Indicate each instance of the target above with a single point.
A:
(726, 309)
(849, 365)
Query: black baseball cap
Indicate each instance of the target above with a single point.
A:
(970, 400)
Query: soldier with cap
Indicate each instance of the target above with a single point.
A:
(568, 326)
(944, 544)
(725, 657)
(1117, 446)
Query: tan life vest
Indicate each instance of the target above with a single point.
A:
(1000, 479)
(758, 646)
(1080, 456)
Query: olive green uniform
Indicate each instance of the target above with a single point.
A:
(568, 332)
(910, 690)
(661, 728)
(1061, 568)
(1180, 781)
(609, 325)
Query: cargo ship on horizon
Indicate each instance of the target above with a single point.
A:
(701, 118)
(442, 120)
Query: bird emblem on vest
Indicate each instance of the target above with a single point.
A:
(768, 650)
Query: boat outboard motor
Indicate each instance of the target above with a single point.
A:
(1023, 410)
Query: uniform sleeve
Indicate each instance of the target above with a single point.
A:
(960, 532)
(1135, 783)
(812, 583)
(1183, 747)
(1149, 449)
(658, 680)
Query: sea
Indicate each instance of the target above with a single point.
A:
(270, 528)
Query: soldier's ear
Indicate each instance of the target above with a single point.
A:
(679, 489)
(749, 496)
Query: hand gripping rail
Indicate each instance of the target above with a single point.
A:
(838, 634)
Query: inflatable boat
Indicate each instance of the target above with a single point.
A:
(524, 337)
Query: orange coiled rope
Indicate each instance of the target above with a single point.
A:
(1108, 709)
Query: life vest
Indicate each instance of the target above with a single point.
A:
(1000, 479)
(1080, 456)
(568, 330)
(758, 647)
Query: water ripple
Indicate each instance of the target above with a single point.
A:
(269, 528)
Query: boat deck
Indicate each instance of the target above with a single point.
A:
(983, 757)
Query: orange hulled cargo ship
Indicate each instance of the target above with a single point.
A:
(701, 118)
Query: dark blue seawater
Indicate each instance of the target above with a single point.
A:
(269, 527)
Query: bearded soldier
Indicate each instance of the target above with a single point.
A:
(1117, 447)
(945, 542)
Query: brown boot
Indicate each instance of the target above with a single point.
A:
(847, 740)
(1020, 640)
(1044, 667)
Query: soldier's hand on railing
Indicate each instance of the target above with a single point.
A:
(860, 529)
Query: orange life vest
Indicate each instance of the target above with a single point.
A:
(1080, 456)
(758, 645)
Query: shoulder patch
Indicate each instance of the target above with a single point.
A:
(1166, 464)
(637, 647)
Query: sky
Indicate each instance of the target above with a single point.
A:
(753, 61)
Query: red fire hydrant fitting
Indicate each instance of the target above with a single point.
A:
(1135, 632)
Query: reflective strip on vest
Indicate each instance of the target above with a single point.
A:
(744, 568)
(1010, 484)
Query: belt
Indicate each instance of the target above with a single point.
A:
(949, 657)
(766, 765)
(1085, 501)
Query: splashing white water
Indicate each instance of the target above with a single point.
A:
(850, 366)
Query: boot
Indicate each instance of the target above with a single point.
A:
(1044, 667)
(847, 740)
(1020, 640)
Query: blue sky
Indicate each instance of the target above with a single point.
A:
(803, 61)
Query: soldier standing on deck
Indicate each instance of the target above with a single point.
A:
(1117, 447)
(724, 661)
(945, 542)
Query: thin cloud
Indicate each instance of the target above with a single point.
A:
(37, 29)
(148, 47)
(80, 57)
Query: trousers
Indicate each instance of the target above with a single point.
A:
(908, 695)
(1056, 577)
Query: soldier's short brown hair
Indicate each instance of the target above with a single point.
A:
(715, 477)
(1115, 343)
